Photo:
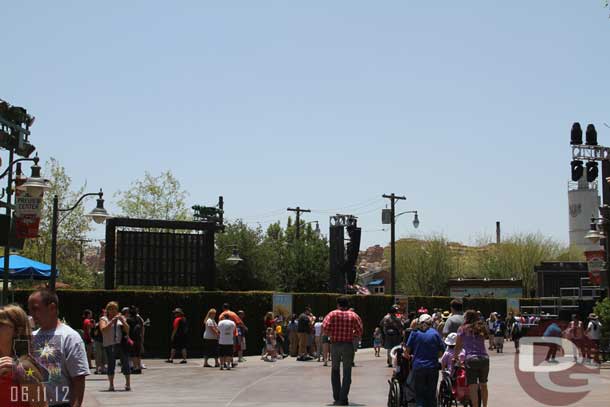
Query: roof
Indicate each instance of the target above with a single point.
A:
(376, 283)
(485, 282)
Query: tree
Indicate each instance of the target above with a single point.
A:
(516, 257)
(306, 265)
(72, 228)
(252, 272)
(423, 267)
(160, 197)
(272, 260)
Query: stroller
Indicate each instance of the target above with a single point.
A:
(454, 388)
(401, 390)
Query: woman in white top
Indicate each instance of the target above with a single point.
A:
(317, 328)
(113, 328)
(210, 338)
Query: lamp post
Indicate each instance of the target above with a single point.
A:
(234, 258)
(393, 198)
(598, 233)
(34, 186)
(98, 215)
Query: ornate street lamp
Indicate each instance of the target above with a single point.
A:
(98, 215)
(234, 257)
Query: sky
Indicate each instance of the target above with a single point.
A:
(465, 108)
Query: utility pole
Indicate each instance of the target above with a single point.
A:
(393, 198)
(298, 211)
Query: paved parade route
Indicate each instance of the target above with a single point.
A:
(292, 383)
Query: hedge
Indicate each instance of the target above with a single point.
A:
(157, 305)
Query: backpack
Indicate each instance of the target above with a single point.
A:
(183, 328)
(303, 323)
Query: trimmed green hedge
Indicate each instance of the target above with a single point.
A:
(157, 305)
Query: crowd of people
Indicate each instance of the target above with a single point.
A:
(39, 350)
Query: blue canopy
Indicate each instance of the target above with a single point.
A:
(22, 268)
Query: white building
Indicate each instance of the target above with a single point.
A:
(584, 202)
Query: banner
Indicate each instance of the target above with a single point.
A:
(282, 305)
(512, 305)
(27, 215)
(596, 262)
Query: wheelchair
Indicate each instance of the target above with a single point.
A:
(400, 393)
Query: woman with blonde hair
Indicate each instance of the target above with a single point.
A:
(210, 338)
(21, 376)
(114, 328)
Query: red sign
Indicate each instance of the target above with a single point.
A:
(596, 261)
(27, 214)
(26, 226)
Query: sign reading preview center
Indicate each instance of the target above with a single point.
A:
(27, 215)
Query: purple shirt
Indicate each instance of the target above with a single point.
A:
(473, 345)
(447, 359)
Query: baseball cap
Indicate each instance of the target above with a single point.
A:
(425, 319)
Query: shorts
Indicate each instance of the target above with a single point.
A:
(377, 343)
(210, 348)
(477, 369)
(325, 339)
(179, 342)
(499, 341)
(225, 350)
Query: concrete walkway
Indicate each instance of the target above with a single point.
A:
(289, 383)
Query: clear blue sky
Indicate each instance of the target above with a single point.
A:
(464, 107)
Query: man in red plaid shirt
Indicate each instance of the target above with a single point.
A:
(342, 326)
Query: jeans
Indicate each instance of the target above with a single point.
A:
(341, 352)
(111, 353)
(425, 387)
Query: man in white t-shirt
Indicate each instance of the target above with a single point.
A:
(594, 333)
(60, 350)
(226, 328)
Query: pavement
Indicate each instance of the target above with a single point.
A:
(289, 383)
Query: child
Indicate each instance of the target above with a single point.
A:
(517, 332)
(270, 346)
(499, 330)
(377, 341)
(447, 358)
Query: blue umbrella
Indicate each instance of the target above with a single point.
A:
(22, 268)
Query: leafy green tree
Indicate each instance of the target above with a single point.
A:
(306, 264)
(423, 267)
(252, 272)
(602, 309)
(160, 197)
(272, 260)
(73, 227)
(516, 257)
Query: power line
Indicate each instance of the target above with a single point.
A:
(351, 207)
